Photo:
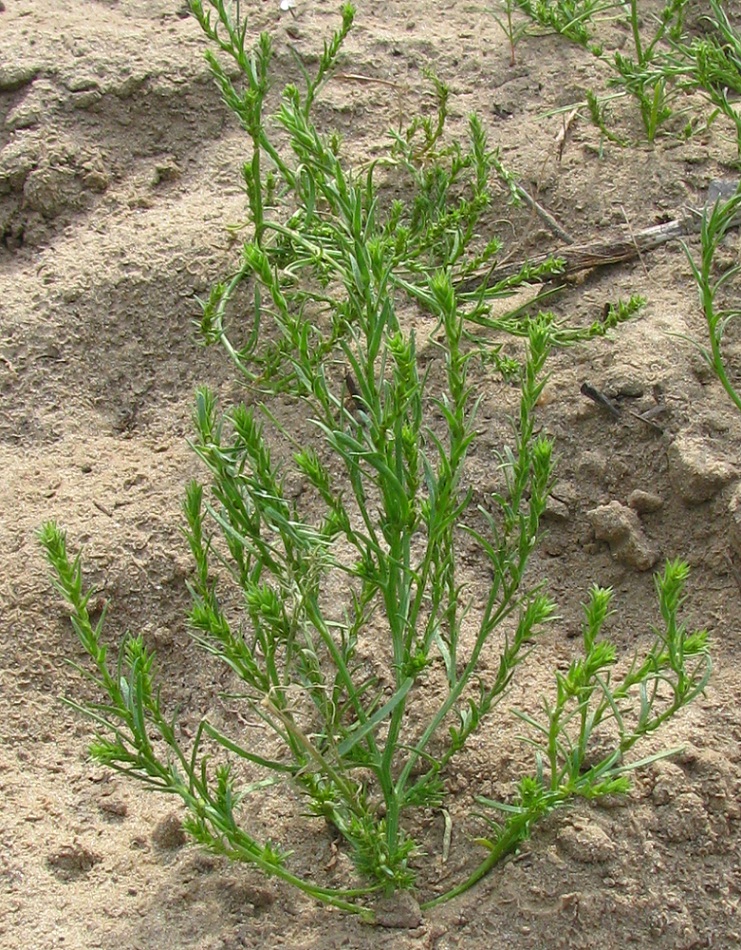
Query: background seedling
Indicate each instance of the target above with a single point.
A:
(717, 220)
(711, 65)
(512, 30)
(571, 18)
(643, 74)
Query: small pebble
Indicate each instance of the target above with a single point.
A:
(169, 834)
(556, 510)
(399, 912)
(644, 502)
(587, 845)
(695, 473)
(621, 528)
(113, 808)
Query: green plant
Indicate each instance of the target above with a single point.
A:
(570, 18)
(649, 87)
(712, 65)
(451, 188)
(643, 74)
(715, 225)
(598, 715)
(340, 609)
(513, 31)
(598, 115)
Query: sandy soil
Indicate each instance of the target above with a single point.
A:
(119, 169)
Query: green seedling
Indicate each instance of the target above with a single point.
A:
(711, 65)
(716, 223)
(571, 18)
(596, 707)
(340, 613)
(513, 31)
(643, 74)
(598, 114)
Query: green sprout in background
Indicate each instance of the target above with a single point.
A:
(716, 222)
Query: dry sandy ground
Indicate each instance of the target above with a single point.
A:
(119, 169)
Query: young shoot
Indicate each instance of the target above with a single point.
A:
(329, 540)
